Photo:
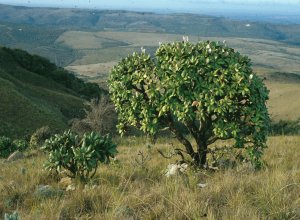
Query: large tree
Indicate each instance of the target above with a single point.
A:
(206, 87)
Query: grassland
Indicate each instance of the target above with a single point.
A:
(127, 190)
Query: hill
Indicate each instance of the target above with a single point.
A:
(180, 23)
(35, 92)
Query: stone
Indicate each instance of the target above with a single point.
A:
(71, 187)
(65, 182)
(17, 155)
(201, 185)
(46, 191)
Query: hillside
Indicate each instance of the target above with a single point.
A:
(34, 93)
(114, 20)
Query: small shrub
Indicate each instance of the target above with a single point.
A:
(79, 156)
(20, 145)
(100, 117)
(39, 136)
(13, 216)
(6, 147)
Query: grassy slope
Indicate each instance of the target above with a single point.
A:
(29, 101)
(128, 191)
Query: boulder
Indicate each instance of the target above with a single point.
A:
(46, 191)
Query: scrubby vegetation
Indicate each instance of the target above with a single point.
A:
(100, 116)
(39, 136)
(8, 146)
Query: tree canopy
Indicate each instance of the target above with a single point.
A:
(207, 87)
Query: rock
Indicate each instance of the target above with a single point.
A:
(17, 155)
(46, 191)
(201, 185)
(65, 182)
(71, 187)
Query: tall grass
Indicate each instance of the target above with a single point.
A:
(127, 190)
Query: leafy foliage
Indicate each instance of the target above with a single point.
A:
(206, 87)
(79, 156)
(21, 145)
(12, 216)
(8, 146)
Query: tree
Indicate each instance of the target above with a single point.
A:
(206, 87)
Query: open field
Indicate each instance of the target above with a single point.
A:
(274, 55)
(127, 190)
(284, 100)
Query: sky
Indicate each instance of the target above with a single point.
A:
(218, 6)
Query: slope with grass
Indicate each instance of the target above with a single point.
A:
(130, 189)
(34, 93)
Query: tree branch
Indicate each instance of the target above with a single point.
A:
(179, 136)
(142, 91)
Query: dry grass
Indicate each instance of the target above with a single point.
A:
(284, 100)
(274, 55)
(127, 190)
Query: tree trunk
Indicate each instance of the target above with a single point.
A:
(199, 157)
(202, 151)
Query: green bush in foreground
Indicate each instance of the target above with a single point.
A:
(79, 156)
(206, 87)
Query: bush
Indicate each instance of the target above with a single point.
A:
(12, 216)
(207, 88)
(6, 147)
(100, 118)
(39, 136)
(79, 156)
(20, 145)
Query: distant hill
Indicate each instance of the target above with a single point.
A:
(113, 20)
(35, 92)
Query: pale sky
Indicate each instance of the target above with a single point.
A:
(283, 6)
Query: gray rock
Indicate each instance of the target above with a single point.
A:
(46, 191)
(17, 155)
